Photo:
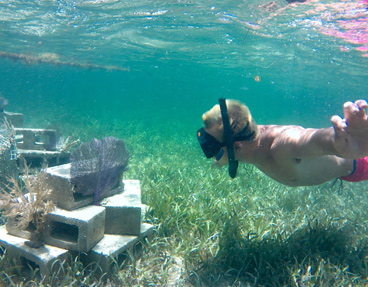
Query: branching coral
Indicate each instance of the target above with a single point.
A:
(29, 210)
(67, 144)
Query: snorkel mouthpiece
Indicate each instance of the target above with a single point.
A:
(229, 140)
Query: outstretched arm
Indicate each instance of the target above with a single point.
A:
(348, 138)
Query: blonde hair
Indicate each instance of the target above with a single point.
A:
(239, 116)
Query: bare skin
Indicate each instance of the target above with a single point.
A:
(296, 156)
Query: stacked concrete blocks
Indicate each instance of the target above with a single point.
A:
(77, 230)
(36, 146)
(47, 258)
(102, 232)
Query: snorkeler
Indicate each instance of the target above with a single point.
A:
(289, 154)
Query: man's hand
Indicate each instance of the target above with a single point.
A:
(351, 133)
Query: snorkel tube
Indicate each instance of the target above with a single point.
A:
(229, 140)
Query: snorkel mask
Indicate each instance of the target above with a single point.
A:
(212, 147)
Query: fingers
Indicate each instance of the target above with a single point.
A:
(357, 108)
(350, 108)
(338, 123)
(362, 104)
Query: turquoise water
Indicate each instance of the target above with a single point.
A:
(158, 65)
(145, 71)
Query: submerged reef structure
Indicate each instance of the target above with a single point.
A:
(97, 166)
(36, 147)
(51, 215)
(98, 235)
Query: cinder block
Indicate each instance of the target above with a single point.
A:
(59, 181)
(124, 210)
(64, 193)
(13, 230)
(111, 247)
(77, 230)
(47, 258)
(38, 158)
(36, 139)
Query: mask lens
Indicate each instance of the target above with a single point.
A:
(210, 146)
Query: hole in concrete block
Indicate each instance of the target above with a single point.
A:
(125, 258)
(19, 139)
(64, 231)
(46, 140)
(42, 139)
(29, 268)
(28, 263)
(122, 260)
(138, 250)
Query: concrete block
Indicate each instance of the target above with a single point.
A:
(12, 230)
(106, 253)
(65, 194)
(77, 230)
(47, 258)
(36, 139)
(124, 210)
(37, 159)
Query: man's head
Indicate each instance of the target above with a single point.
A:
(242, 127)
(239, 117)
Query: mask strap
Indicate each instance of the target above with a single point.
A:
(229, 140)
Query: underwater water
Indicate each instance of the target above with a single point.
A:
(146, 71)
(163, 63)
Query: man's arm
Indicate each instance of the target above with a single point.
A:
(348, 138)
(298, 142)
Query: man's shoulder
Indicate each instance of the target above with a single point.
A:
(275, 134)
(277, 129)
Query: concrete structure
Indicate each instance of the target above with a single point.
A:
(11, 228)
(124, 210)
(65, 194)
(36, 139)
(37, 146)
(77, 230)
(102, 233)
(106, 253)
(85, 230)
(47, 258)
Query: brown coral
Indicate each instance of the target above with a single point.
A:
(27, 204)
